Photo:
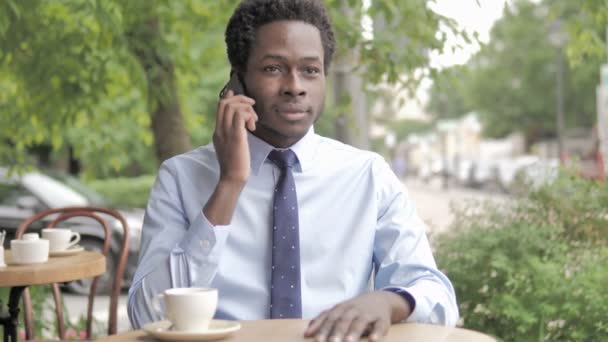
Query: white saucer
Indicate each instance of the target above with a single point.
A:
(218, 329)
(69, 251)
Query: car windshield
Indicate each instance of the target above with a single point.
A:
(93, 197)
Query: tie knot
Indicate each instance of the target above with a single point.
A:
(283, 158)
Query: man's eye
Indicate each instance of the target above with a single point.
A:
(272, 69)
(312, 70)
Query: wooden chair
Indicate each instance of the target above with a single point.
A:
(63, 214)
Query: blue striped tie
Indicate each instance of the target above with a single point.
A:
(285, 290)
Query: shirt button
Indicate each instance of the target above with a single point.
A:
(205, 243)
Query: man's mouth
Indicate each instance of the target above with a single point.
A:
(293, 112)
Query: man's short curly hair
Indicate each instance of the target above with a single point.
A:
(251, 14)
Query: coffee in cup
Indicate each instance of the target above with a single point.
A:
(190, 309)
(60, 239)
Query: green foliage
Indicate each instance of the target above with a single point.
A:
(511, 81)
(125, 192)
(578, 205)
(78, 73)
(69, 76)
(77, 329)
(586, 27)
(39, 294)
(449, 93)
(533, 268)
(45, 325)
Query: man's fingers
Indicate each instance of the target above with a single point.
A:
(315, 324)
(251, 125)
(358, 327)
(221, 107)
(244, 116)
(253, 118)
(379, 331)
(237, 98)
(328, 325)
(342, 325)
(244, 99)
(228, 100)
(228, 118)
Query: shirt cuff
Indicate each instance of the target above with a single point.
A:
(405, 295)
(203, 242)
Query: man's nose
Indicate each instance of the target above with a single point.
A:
(293, 85)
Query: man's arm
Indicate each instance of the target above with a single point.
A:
(176, 251)
(182, 252)
(235, 115)
(403, 258)
(409, 287)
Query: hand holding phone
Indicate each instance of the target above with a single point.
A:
(235, 115)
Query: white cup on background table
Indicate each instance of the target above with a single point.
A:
(60, 239)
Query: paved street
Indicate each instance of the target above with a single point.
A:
(433, 204)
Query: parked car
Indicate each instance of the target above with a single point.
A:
(537, 175)
(464, 172)
(508, 168)
(483, 174)
(24, 195)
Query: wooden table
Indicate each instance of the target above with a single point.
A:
(284, 330)
(56, 270)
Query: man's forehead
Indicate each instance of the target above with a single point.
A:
(279, 56)
(286, 38)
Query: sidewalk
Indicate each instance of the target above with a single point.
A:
(434, 204)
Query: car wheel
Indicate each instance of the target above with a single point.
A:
(104, 284)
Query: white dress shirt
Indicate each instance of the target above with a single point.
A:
(355, 219)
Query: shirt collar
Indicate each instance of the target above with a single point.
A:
(304, 149)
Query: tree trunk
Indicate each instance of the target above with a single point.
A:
(73, 162)
(352, 127)
(170, 134)
(340, 93)
(532, 135)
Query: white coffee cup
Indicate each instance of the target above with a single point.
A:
(2, 264)
(190, 309)
(30, 236)
(30, 249)
(60, 239)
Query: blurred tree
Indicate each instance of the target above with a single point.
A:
(512, 78)
(512, 82)
(394, 47)
(110, 79)
(587, 26)
(448, 93)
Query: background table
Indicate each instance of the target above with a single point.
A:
(282, 330)
(56, 270)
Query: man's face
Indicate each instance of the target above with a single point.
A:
(285, 77)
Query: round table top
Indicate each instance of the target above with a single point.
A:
(281, 330)
(81, 265)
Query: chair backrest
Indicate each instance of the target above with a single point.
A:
(95, 213)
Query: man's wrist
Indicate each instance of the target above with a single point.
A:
(230, 185)
(222, 203)
(404, 304)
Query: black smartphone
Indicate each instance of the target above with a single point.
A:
(235, 84)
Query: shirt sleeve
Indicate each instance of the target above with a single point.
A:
(176, 251)
(403, 259)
